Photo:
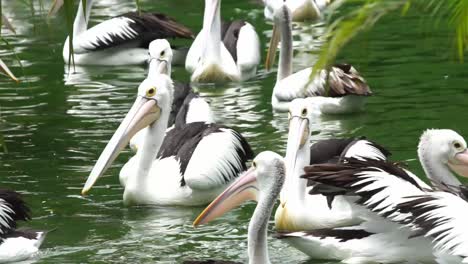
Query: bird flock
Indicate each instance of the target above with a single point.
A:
(340, 198)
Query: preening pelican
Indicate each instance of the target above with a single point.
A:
(228, 51)
(16, 244)
(120, 40)
(301, 10)
(299, 211)
(398, 201)
(262, 183)
(172, 168)
(187, 105)
(336, 91)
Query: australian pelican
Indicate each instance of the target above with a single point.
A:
(120, 40)
(228, 51)
(403, 214)
(341, 89)
(262, 183)
(16, 244)
(301, 10)
(172, 168)
(298, 210)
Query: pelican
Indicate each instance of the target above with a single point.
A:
(298, 210)
(397, 201)
(339, 90)
(223, 52)
(16, 244)
(301, 10)
(121, 40)
(171, 168)
(262, 183)
(187, 105)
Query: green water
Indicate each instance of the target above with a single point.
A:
(55, 126)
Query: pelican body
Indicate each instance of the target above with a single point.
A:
(223, 52)
(16, 244)
(338, 90)
(299, 211)
(403, 214)
(301, 10)
(121, 40)
(170, 168)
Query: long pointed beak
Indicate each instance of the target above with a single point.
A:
(271, 54)
(243, 189)
(143, 113)
(460, 163)
(297, 137)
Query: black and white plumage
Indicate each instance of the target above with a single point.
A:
(181, 174)
(121, 40)
(223, 51)
(440, 216)
(300, 211)
(337, 90)
(397, 201)
(182, 141)
(16, 244)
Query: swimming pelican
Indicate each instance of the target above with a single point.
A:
(346, 89)
(298, 210)
(172, 168)
(187, 105)
(120, 40)
(223, 52)
(301, 10)
(262, 183)
(431, 220)
(16, 244)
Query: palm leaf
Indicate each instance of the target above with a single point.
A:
(6, 71)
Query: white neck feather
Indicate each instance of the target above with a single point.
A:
(435, 167)
(152, 140)
(212, 31)
(80, 24)
(258, 227)
(295, 187)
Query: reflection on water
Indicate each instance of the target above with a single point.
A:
(57, 121)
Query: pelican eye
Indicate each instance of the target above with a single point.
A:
(162, 53)
(304, 111)
(254, 164)
(457, 145)
(151, 92)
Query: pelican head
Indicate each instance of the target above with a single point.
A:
(154, 97)
(263, 181)
(447, 146)
(160, 57)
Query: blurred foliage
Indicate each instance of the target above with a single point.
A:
(341, 29)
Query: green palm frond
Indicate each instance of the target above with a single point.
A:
(367, 12)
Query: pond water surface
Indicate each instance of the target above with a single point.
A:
(56, 124)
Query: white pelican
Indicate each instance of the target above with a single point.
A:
(16, 244)
(120, 40)
(298, 210)
(223, 52)
(262, 183)
(427, 224)
(187, 105)
(187, 166)
(301, 10)
(344, 92)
